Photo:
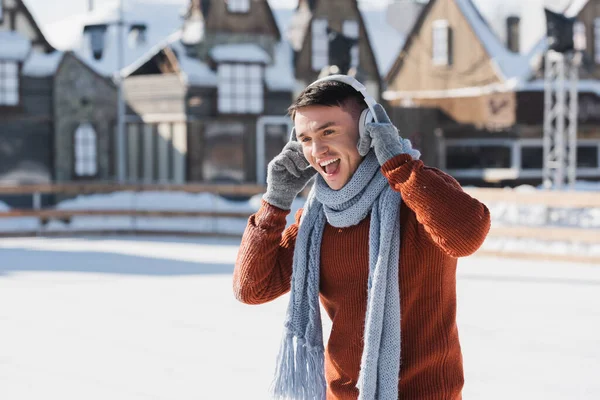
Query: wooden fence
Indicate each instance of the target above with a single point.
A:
(548, 199)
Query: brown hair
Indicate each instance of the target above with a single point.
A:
(329, 94)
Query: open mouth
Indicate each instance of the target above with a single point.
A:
(330, 167)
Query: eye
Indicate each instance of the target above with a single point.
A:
(304, 139)
(328, 132)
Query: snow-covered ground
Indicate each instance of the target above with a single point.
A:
(126, 318)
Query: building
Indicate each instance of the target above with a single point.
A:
(473, 90)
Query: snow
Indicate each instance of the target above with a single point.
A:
(509, 65)
(195, 72)
(503, 214)
(161, 17)
(15, 46)
(251, 53)
(575, 7)
(62, 22)
(583, 86)
(280, 75)
(42, 64)
(156, 319)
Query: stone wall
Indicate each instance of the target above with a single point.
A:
(80, 96)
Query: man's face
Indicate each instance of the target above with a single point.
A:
(329, 136)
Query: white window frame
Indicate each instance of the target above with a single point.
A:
(9, 83)
(515, 171)
(440, 42)
(238, 6)
(320, 44)
(85, 149)
(241, 88)
(597, 40)
(351, 29)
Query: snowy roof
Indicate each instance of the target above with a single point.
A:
(583, 86)
(161, 17)
(575, 7)
(42, 64)
(509, 65)
(193, 71)
(62, 22)
(14, 46)
(280, 75)
(245, 52)
(532, 26)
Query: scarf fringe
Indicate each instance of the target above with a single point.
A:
(300, 373)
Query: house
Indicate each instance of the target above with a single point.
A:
(209, 102)
(56, 113)
(207, 89)
(27, 64)
(55, 119)
(481, 84)
(310, 35)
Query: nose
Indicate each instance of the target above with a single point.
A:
(318, 148)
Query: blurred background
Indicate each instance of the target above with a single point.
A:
(134, 142)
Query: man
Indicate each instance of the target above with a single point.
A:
(377, 241)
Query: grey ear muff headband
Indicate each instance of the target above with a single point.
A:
(367, 116)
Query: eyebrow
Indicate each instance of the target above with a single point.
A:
(320, 128)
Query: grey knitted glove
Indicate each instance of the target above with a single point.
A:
(287, 174)
(384, 136)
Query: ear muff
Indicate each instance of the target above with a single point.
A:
(366, 117)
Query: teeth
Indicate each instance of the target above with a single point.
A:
(328, 162)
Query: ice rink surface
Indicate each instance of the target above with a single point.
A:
(155, 318)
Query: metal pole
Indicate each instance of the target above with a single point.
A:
(548, 120)
(573, 115)
(120, 132)
(559, 132)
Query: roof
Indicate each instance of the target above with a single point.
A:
(62, 22)
(240, 52)
(15, 46)
(487, 18)
(193, 71)
(279, 74)
(509, 65)
(41, 65)
(161, 17)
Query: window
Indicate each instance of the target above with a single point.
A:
(86, 160)
(1, 14)
(532, 157)
(238, 6)
(240, 89)
(224, 157)
(587, 156)
(478, 156)
(320, 44)
(441, 43)
(9, 83)
(350, 29)
(597, 40)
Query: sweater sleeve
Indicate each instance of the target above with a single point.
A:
(263, 269)
(455, 221)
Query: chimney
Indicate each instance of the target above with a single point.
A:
(512, 33)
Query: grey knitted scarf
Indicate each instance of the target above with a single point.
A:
(300, 370)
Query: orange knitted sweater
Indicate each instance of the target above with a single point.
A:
(438, 221)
